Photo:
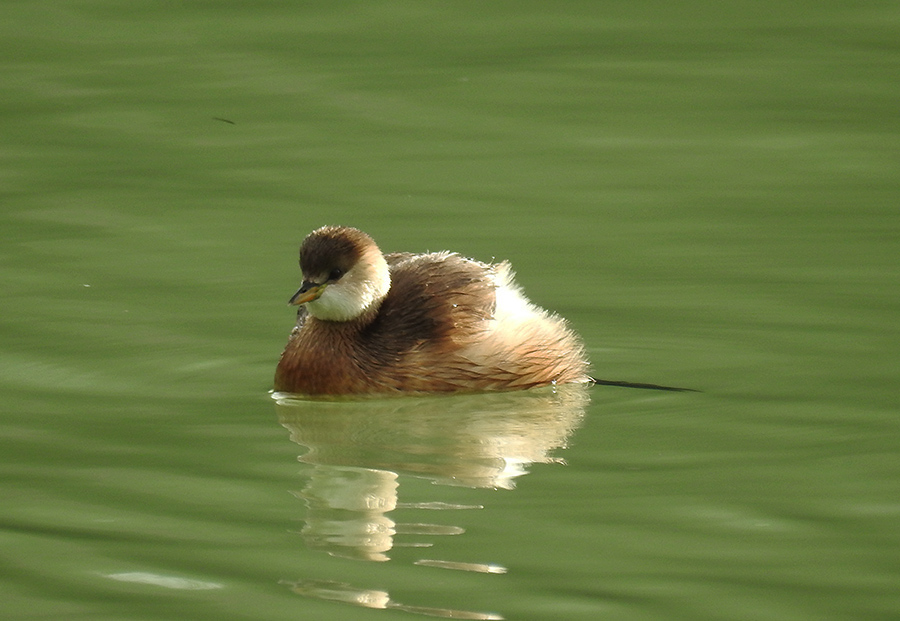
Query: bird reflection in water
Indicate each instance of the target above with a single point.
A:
(358, 452)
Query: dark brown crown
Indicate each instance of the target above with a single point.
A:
(332, 247)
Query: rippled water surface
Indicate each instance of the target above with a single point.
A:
(707, 191)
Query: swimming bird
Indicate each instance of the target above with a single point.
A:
(373, 323)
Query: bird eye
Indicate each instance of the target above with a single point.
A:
(335, 274)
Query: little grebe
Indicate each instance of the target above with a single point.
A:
(403, 322)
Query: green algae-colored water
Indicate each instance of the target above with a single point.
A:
(707, 191)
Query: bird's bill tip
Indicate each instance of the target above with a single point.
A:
(308, 292)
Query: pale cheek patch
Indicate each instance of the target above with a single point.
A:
(335, 304)
(364, 285)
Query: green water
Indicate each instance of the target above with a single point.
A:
(708, 191)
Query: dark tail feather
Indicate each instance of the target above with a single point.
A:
(640, 385)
